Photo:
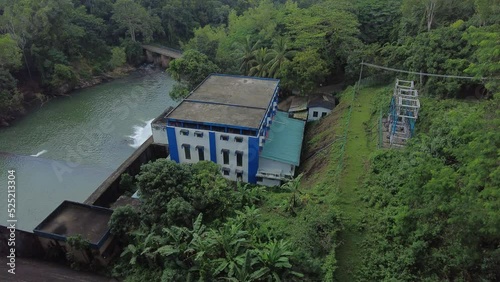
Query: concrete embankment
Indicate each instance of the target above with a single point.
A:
(110, 190)
(27, 244)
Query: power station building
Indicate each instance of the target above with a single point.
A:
(233, 121)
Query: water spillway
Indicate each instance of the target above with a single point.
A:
(141, 134)
(65, 149)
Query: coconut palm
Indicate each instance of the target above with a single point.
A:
(260, 63)
(280, 55)
(244, 52)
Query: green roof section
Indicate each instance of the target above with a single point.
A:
(284, 141)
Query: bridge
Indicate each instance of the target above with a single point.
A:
(160, 54)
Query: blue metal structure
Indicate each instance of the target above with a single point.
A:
(403, 112)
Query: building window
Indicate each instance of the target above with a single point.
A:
(260, 179)
(198, 134)
(187, 151)
(225, 171)
(201, 153)
(315, 114)
(323, 114)
(239, 158)
(184, 132)
(239, 175)
(238, 139)
(225, 156)
(224, 137)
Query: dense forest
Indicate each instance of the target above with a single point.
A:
(52, 46)
(433, 206)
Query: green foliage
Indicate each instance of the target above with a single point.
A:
(305, 71)
(438, 199)
(441, 51)
(10, 54)
(78, 242)
(424, 15)
(280, 55)
(62, 75)
(127, 184)
(135, 19)
(177, 200)
(189, 190)
(190, 70)
(179, 91)
(486, 62)
(206, 40)
(245, 53)
(133, 51)
(123, 220)
(118, 57)
(10, 98)
(377, 19)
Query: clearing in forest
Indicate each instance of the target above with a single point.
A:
(361, 142)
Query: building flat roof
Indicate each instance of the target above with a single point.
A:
(229, 100)
(71, 218)
(284, 142)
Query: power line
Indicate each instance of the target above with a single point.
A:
(423, 73)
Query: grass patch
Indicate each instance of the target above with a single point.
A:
(329, 226)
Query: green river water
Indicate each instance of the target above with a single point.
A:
(65, 149)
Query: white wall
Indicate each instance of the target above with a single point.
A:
(272, 166)
(204, 141)
(232, 146)
(193, 141)
(320, 111)
(269, 182)
(159, 134)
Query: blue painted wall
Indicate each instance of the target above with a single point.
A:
(213, 150)
(172, 144)
(253, 159)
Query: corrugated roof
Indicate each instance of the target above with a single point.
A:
(284, 141)
(299, 103)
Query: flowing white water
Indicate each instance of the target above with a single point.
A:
(141, 134)
(39, 153)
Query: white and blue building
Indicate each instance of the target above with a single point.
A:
(229, 120)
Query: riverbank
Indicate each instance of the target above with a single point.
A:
(32, 97)
(68, 147)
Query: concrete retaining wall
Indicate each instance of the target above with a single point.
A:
(28, 244)
(109, 191)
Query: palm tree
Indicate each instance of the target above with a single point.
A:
(260, 63)
(244, 52)
(280, 54)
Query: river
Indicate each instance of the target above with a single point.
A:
(66, 148)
